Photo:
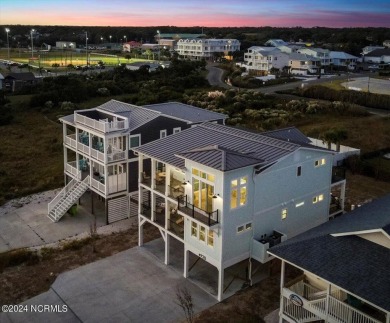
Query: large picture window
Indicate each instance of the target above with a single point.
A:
(238, 192)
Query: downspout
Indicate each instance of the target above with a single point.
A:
(252, 237)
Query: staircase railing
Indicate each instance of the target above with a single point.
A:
(60, 195)
(70, 194)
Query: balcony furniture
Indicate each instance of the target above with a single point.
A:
(145, 176)
(162, 174)
(160, 180)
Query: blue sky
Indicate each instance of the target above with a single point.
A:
(216, 13)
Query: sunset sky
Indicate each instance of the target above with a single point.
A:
(215, 13)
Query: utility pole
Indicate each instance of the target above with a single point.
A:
(32, 43)
(7, 30)
(86, 47)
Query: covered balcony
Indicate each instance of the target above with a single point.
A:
(176, 183)
(304, 302)
(175, 221)
(208, 218)
(260, 246)
(160, 177)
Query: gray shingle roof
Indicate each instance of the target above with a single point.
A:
(186, 112)
(350, 262)
(68, 119)
(243, 143)
(379, 52)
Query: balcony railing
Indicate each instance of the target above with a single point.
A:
(260, 247)
(115, 156)
(71, 168)
(209, 218)
(70, 140)
(314, 304)
(101, 125)
(97, 155)
(98, 185)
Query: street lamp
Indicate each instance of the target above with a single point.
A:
(86, 47)
(159, 37)
(125, 37)
(101, 39)
(7, 31)
(32, 43)
(110, 39)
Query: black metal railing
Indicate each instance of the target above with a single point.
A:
(176, 228)
(146, 210)
(209, 218)
(338, 174)
(273, 239)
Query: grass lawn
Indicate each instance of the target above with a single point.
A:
(47, 59)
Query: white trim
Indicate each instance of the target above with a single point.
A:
(163, 132)
(176, 130)
(134, 136)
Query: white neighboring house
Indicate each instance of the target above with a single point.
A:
(386, 43)
(344, 60)
(228, 195)
(291, 48)
(345, 269)
(378, 56)
(260, 60)
(275, 42)
(206, 48)
(65, 44)
(369, 49)
(322, 54)
(301, 64)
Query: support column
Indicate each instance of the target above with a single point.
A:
(388, 318)
(106, 208)
(281, 291)
(342, 196)
(140, 232)
(167, 247)
(250, 272)
(220, 283)
(186, 262)
(92, 209)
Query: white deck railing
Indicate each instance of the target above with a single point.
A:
(71, 141)
(83, 148)
(97, 155)
(61, 194)
(100, 125)
(315, 302)
(72, 169)
(117, 155)
(97, 185)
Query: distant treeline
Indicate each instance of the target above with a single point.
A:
(369, 100)
(351, 40)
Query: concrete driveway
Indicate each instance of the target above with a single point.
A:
(24, 222)
(131, 286)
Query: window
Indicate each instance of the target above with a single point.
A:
(135, 141)
(163, 133)
(299, 170)
(320, 162)
(238, 192)
(203, 175)
(284, 214)
(176, 130)
(318, 198)
(202, 234)
(210, 238)
(194, 229)
(244, 227)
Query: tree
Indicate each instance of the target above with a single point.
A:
(128, 57)
(334, 136)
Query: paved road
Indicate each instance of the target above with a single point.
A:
(215, 76)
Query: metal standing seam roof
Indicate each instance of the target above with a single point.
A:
(186, 112)
(291, 133)
(353, 263)
(242, 143)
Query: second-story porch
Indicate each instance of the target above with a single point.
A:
(101, 121)
(105, 150)
(308, 298)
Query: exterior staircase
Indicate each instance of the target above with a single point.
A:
(66, 198)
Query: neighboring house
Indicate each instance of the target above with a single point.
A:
(206, 48)
(98, 152)
(301, 64)
(345, 269)
(65, 45)
(260, 60)
(291, 48)
(366, 50)
(167, 43)
(378, 56)
(128, 46)
(322, 54)
(343, 60)
(15, 81)
(275, 42)
(228, 195)
(386, 43)
(177, 36)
